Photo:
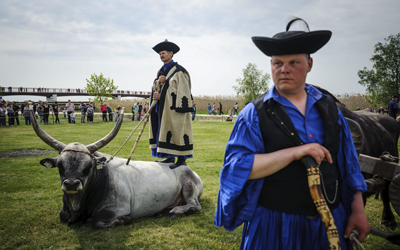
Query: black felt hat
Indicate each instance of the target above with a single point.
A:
(168, 46)
(293, 42)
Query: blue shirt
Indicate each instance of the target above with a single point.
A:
(238, 196)
(166, 66)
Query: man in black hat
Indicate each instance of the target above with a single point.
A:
(392, 106)
(170, 121)
(264, 184)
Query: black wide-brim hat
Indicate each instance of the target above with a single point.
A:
(166, 45)
(293, 42)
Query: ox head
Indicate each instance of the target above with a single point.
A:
(76, 162)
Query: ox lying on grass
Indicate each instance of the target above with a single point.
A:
(116, 193)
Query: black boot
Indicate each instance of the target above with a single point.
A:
(168, 160)
(181, 161)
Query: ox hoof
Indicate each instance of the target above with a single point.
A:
(389, 224)
(173, 216)
(126, 220)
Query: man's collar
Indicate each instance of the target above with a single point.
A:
(166, 66)
(311, 92)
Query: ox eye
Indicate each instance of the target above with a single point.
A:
(86, 169)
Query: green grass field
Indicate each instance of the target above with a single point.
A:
(31, 196)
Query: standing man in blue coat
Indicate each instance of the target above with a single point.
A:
(392, 107)
(263, 182)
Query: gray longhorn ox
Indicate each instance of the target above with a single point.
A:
(117, 193)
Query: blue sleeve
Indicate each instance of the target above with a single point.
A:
(238, 196)
(351, 178)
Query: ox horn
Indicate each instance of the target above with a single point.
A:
(106, 139)
(44, 136)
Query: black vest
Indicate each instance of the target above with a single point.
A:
(287, 190)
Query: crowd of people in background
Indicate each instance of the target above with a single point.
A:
(10, 112)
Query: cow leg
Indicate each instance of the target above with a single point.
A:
(191, 194)
(107, 218)
(64, 214)
(388, 219)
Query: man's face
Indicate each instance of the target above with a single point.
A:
(165, 56)
(289, 72)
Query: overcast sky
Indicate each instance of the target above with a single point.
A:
(61, 43)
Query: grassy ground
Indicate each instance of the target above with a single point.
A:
(30, 195)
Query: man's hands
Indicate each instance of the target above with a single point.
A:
(162, 79)
(270, 163)
(156, 95)
(358, 219)
(316, 151)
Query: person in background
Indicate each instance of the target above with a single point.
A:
(70, 108)
(146, 107)
(135, 110)
(118, 112)
(209, 109)
(34, 110)
(110, 113)
(16, 110)
(46, 111)
(171, 132)
(393, 107)
(40, 111)
(10, 114)
(235, 109)
(27, 114)
(220, 109)
(213, 109)
(65, 113)
(194, 111)
(55, 108)
(90, 113)
(83, 109)
(94, 107)
(140, 111)
(73, 117)
(3, 114)
(103, 109)
(229, 118)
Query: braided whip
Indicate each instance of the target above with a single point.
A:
(146, 119)
(129, 137)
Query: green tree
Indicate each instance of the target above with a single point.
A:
(100, 87)
(253, 83)
(384, 79)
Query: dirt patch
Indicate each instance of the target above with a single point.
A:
(25, 153)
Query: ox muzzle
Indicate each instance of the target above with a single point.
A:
(71, 186)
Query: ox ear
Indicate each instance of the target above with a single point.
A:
(100, 160)
(49, 162)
